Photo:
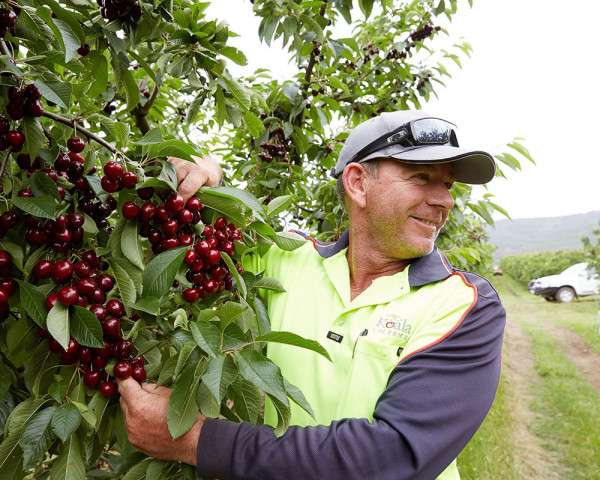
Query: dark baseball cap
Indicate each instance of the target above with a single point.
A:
(414, 136)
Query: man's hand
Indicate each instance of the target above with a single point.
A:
(193, 175)
(145, 412)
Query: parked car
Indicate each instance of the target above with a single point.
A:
(576, 281)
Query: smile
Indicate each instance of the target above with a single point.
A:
(426, 222)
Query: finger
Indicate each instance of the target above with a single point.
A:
(191, 184)
(129, 389)
(153, 389)
(124, 407)
(181, 168)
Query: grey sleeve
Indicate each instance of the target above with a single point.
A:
(434, 402)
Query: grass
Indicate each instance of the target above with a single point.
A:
(570, 410)
(491, 454)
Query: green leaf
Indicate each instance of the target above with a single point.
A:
(138, 471)
(522, 150)
(86, 328)
(311, 25)
(182, 411)
(57, 92)
(290, 338)
(269, 283)
(236, 275)
(69, 464)
(221, 106)
(184, 355)
(248, 400)
(22, 413)
(168, 370)
(10, 456)
(42, 207)
(238, 91)
(42, 185)
(239, 195)
(132, 92)
(262, 372)
(33, 258)
(168, 174)
(131, 246)
(34, 302)
(160, 272)
(124, 283)
(98, 74)
(34, 135)
(283, 415)
(220, 373)
(298, 397)
(122, 133)
(70, 40)
(36, 437)
(58, 324)
(207, 402)
(225, 206)
(147, 304)
(207, 337)
(262, 317)
(65, 421)
(279, 204)
(152, 137)
(234, 54)
(172, 148)
(254, 124)
(288, 240)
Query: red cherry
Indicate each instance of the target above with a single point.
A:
(5, 258)
(218, 272)
(186, 240)
(113, 170)
(190, 295)
(221, 236)
(25, 193)
(145, 193)
(85, 354)
(16, 95)
(193, 204)
(169, 242)
(198, 279)
(202, 248)
(99, 362)
(139, 373)
(63, 236)
(3, 296)
(15, 110)
(51, 300)
(104, 352)
(154, 236)
(75, 158)
(82, 269)
(123, 349)
(97, 296)
(122, 370)
(42, 332)
(16, 140)
(170, 227)
(84, 50)
(208, 231)
(105, 282)
(212, 242)
(68, 295)
(109, 185)
(214, 257)
(185, 216)
(137, 362)
(115, 307)
(92, 379)
(228, 247)
(75, 220)
(34, 108)
(91, 258)
(197, 266)
(129, 180)
(76, 144)
(86, 285)
(112, 328)
(62, 271)
(54, 346)
(190, 257)
(100, 311)
(32, 92)
(130, 210)
(24, 161)
(210, 285)
(162, 214)
(108, 389)
(8, 285)
(220, 223)
(174, 203)
(147, 211)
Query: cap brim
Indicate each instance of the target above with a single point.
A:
(469, 166)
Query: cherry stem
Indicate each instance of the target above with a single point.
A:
(87, 133)
(4, 160)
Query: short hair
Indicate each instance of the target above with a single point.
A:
(372, 169)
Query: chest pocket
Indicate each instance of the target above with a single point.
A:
(374, 348)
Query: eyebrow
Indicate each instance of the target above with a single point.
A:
(430, 168)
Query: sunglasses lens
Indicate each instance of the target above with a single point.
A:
(431, 130)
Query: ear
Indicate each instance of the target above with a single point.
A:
(355, 183)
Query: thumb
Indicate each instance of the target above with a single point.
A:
(129, 389)
(156, 390)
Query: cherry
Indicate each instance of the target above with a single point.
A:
(190, 257)
(208, 231)
(9, 285)
(147, 211)
(210, 285)
(16, 140)
(62, 271)
(218, 272)
(100, 311)
(108, 389)
(197, 278)
(130, 210)
(228, 247)
(86, 285)
(97, 296)
(162, 214)
(84, 50)
(51, 300)
(68, 295)
(221, 235)
(76, 158)
(32, 92)
(54, 346)
(109, 185)
(145, 193)
(24, 161)
(85, 355)
(5, 258)
(123, 349)
(170, 227)
(92, 379)
(90, 258)
(113, 170)
(122, 370)
(129, 179)
(185, 216)
(16, 95)
(34, 108)
(174, 203)
(25, 193)
(214, 257)
(72, 346)
(197, 266)
(213, 242)
(99, 362)
(82, 302)
(4, 125)
(63, 236)
(3, 296)
(82, 269)
(8, 18)
(15, 111)
(202, 248)
(75, 220)
(76, 144)
(104, 352)
(169, 243)
(190, 295)
(193, 204)
(112, 328)
(139, 373)
(43, 333)
(105, 282)
(115, 307)
(220, 223)
(154, 236)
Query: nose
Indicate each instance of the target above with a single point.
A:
(440, 196)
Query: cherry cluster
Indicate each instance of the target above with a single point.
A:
(423, 32)
(208, 273)
(8, 286)
(276, 147)
(24, 101)
(116, 178)
(61, 234)
(125, 10)
(8, 20)
(82, 284)
(166, 225)
(370, 51)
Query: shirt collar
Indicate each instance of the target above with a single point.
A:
(429, 268)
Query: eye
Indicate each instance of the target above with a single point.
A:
(449, 185)
(422, 176)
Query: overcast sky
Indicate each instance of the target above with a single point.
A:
(532, 74)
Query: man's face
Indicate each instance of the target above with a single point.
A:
(407, 205)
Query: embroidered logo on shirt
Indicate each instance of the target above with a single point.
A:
(336, 337)
(392, 325)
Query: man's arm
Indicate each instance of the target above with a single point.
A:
(434, 402)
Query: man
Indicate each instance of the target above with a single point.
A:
(415, 344)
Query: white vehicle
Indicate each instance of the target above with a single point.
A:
(575, 281)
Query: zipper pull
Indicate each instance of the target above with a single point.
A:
(362, 334)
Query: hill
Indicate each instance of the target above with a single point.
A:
(532, 235)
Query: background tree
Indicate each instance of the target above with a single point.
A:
(105, 272)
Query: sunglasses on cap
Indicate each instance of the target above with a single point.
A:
(424, 131)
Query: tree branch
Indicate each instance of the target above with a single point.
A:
(87, 133)
(141, 112)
